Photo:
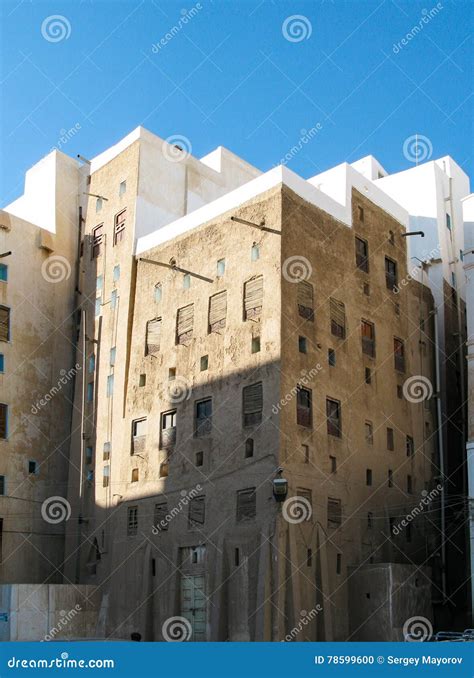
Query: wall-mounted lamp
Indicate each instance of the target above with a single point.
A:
(280, 486)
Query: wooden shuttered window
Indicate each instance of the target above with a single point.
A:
(153, 336)
(333, 416)
(399, 354)
(338, 318)
(97, 240)
(197, 511)
(3, 421)
(119, 226)
(184, 324)
(252, 404)
(246, 504)
(304, 416)
(4, 323)
(334, 512)
(253, 298)
(217, 311)
(161, 514)
(368, 338)
(362, 254)
(305, 299)
(203, 418)
(391, 274)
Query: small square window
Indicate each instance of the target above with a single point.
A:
(302, 344)
(116, 273)
(33, 467)
(98, 304)
(305, 449)
(105, 476)
(110, 385)
(122, 187)
(255, 344)
(255, 254)
(249, 445)
(186, 281)
(204, 363)
(134, 475)
(99, 283)
(171, 373)
(390, 478)
(368, 476)
(2, 485)
(199, 458)
(360, 211)
(3, 273)
(90, 392)
(91, 363)
(367, 289)
(331, 357)
(390, 439)
(113, 299)
(89, 454)
(2, 363)
(220, 268)
(338, 563)
(106, 451)
(399, 391)
(113, 352)
(333, 461)
(368, 375)
(369, 433)
(99, 204)
(142, 380)
(158, 292)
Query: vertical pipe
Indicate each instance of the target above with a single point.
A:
(81, 465)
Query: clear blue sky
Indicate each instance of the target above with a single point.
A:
(230, 77)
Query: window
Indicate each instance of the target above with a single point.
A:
(3, 421)
(97, 240)
(368, 476)
(89, 454)
(338, 563)
(410, 446)
(99, 283)
(369, 433)
(217, 311)
(249, 448)
(2, 485)
(368, 338)
(91, 363)
(399, 354)
(134, 478)
(252, 404)
(305, 449)
(331, 357)
(448, 221)
(158, 292)
(391, 237)
(334, 512)
(203, 421)
(220, 267)
(307, 495)
(246, 504)
(409, 485)
(3, 273)
(98, 306)
(105, 476)
(302, 347)
(408, 532)
(370, 517)
(367, 289)
(161, 516)
(305, 299)
(362, 254)
(106, 451)
(184, 324)
(333, 461)
(390, 478)
(397, 308)
(98, 204)
(186, 281)
(119, 226)
(253, 298)
(164, 469)
(139, 432)
(172, 374)
(33, 468)
(116, 273)
(142, 380)
(255, 346)
(309, 557)
(2, 363)
(333, 415)
(132, 520)
(153, 336)
(90, 392)
(360, 212)
(110, 385)
(199, 458)
(255, 253)
(338, 318)
(390, 439)
(122, 187)
(197, 511)
(204, 363)
(399, 391)
(391, 277)
(113, 353)
(4, 323)
(368, 375)
(303, 407)
(168, 429)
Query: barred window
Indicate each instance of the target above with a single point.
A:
(132, 520)
(304, 407)
(184, 324)
(217, 311)
(305, 300)
(368, 338)
(153, 336)
(333, 415)
(334, 512)
(203, 420)
(362, 254)
(338, 318)
(197, 511)
(4, 323)
(253, 298)
(391, 276)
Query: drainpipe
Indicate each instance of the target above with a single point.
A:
(469, 272)
(81, 465)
